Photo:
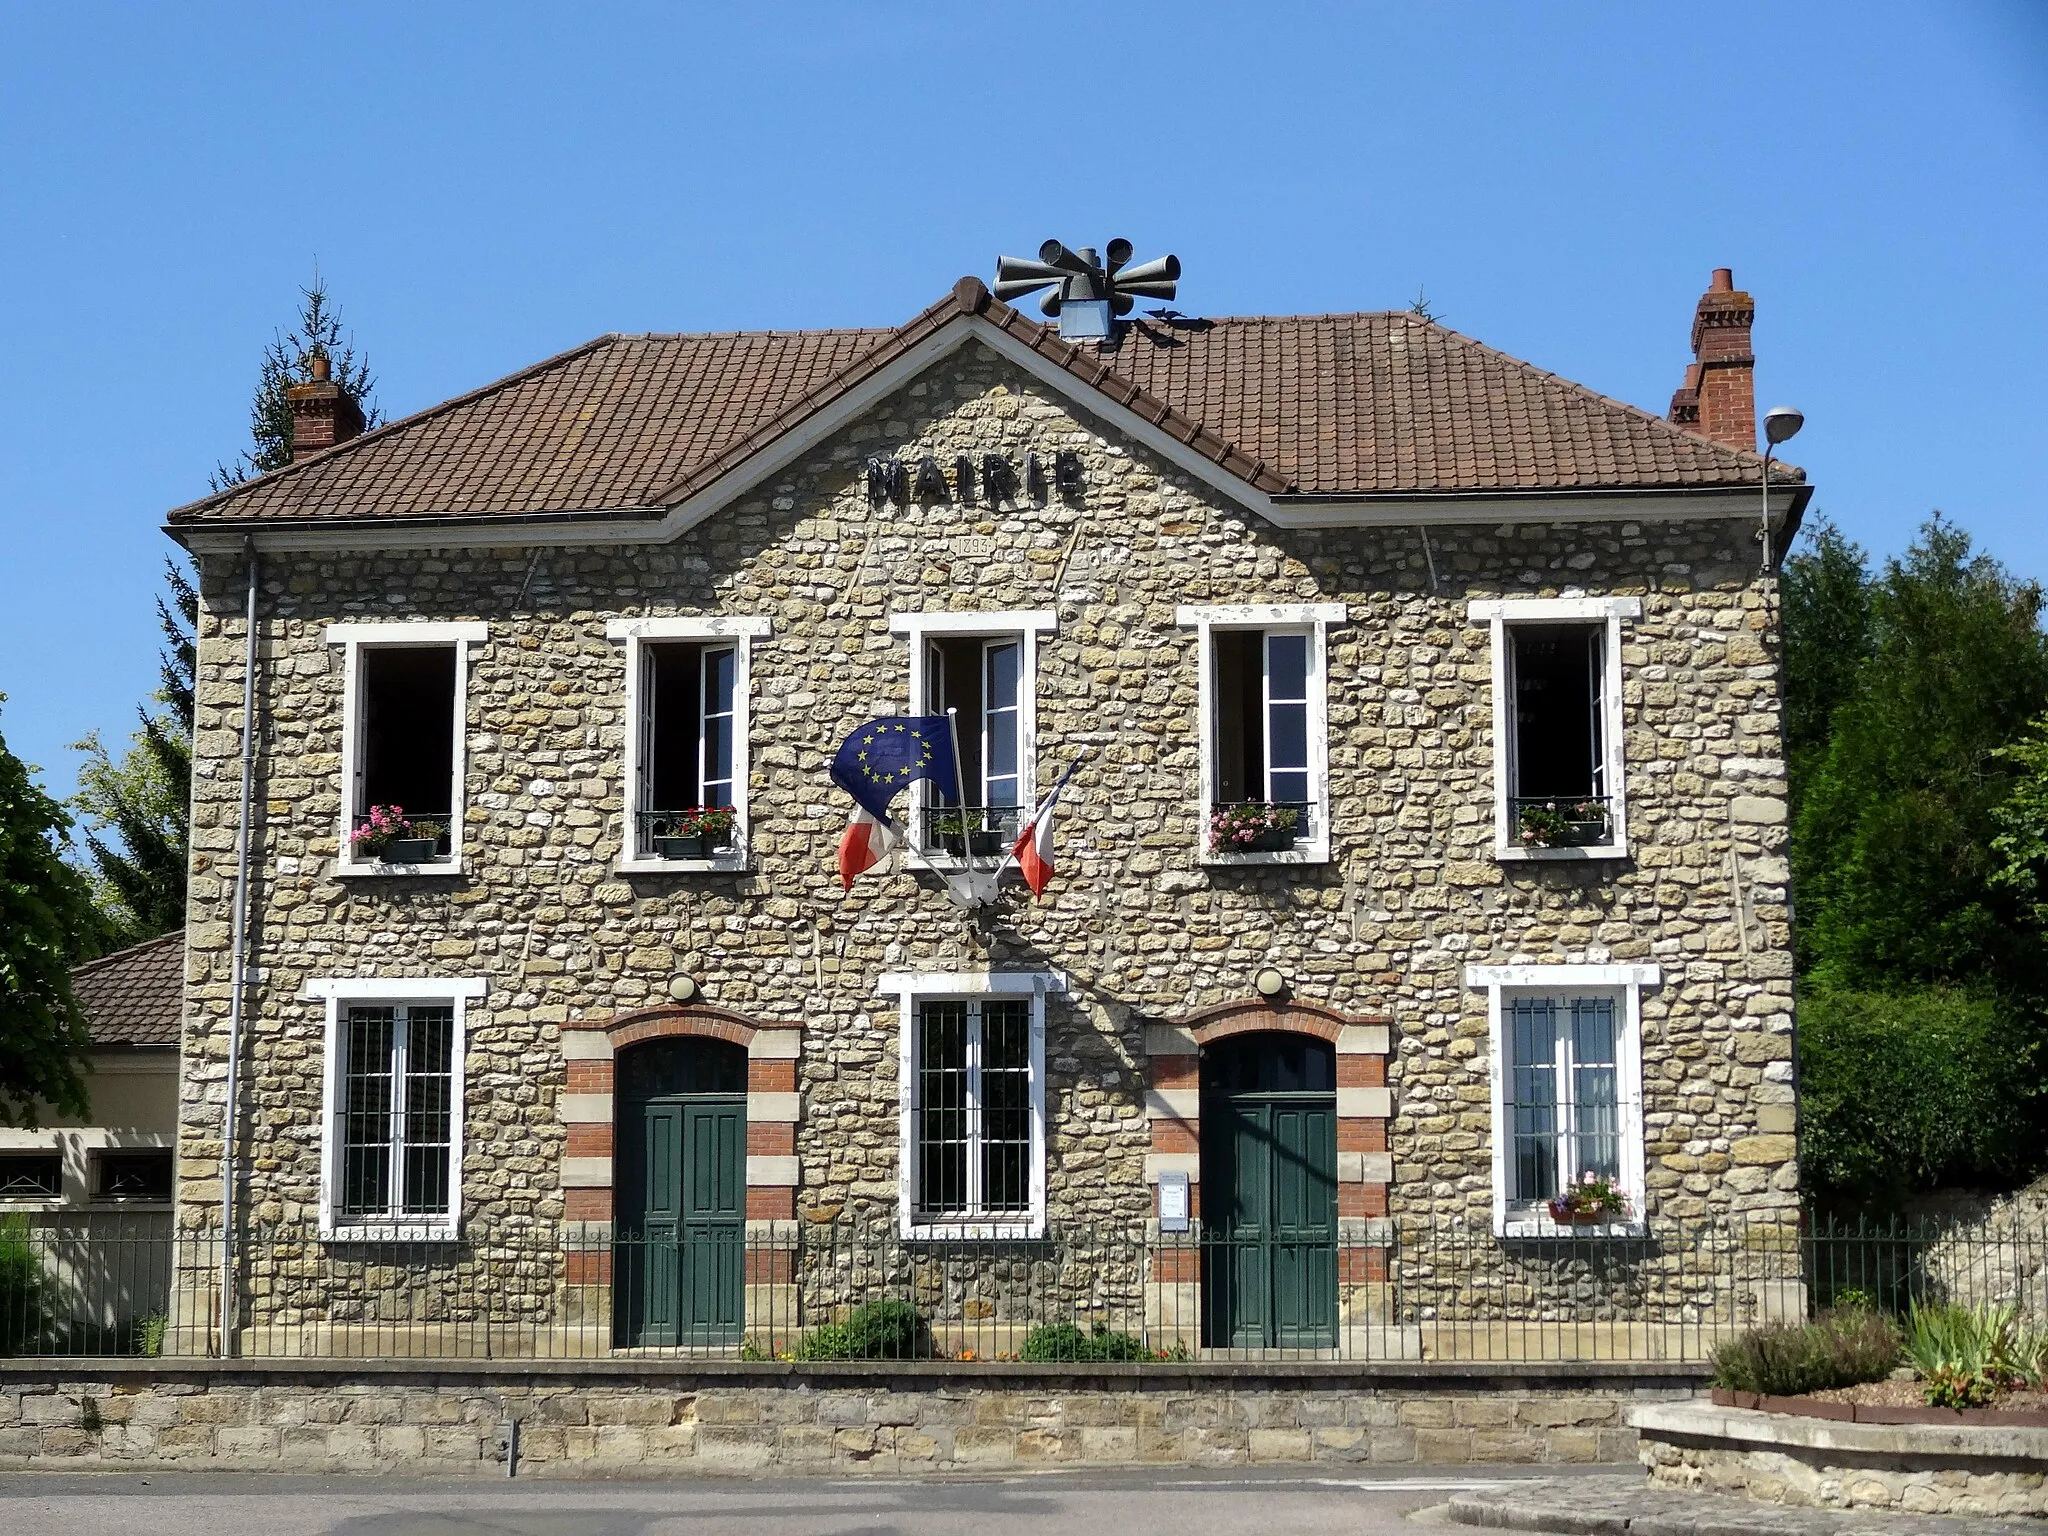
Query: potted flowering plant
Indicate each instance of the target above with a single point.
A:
(693, 834)
(1595, 1199)
(1254, 827)
(390, 837)
(968, 832)
(1562, 824)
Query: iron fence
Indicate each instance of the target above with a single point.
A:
(1382, 1290)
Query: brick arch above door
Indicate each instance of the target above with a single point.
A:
(589, 1105)
(1173, 1095)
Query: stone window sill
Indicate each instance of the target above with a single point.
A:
(1524, 1227)
(1313, 853)
(985, 1231)
(1510, 854)
(716, 864)
(442, 869)
(392, 1232)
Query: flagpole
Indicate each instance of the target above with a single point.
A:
(960, 787)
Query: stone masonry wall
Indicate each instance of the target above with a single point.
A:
(422, 1420)
(1145, 931)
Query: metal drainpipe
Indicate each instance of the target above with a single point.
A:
(238, 985)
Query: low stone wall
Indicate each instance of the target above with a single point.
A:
(666, 1418)
(1782, 1458)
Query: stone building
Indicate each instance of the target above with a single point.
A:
(1425, 853)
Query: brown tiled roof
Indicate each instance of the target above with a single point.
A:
(1292, 404)
(134, 996)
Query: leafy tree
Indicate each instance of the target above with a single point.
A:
(47, 923)
(143, 799)
(288, 360)
(1825, 596)
(1892, 848)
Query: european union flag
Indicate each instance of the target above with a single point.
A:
(888, 755)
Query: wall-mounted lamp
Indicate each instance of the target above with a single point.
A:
(1271, 984)
(683, 989)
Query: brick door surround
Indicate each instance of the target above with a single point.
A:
(1173, 1096)
(590, 1050)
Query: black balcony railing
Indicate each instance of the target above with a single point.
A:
(971, 831)
(1560, 821)
(680, 835)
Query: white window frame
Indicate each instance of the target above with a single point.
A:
(340, 993)
(1625, 984)
(740, 633)
(1025, 625)
(913, 988)
(1607, 613)
(400, 633)
(1315, 619)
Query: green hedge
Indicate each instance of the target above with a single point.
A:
(876, 1330)
(1912, 1090)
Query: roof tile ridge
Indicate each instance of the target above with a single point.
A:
(1743, 457)
(130, 952)
(773, 333)
(392, 428)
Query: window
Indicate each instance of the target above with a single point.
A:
(396, 1126)
(31, 1175)
(402, 731)
(973, 1103)
(1559, 790)
(132, 1175)
(393, 1135)
(686, 754)
(971, 1119)
(1265, 747)
(984, 668)
(1567, 1085)
(1564, 1100)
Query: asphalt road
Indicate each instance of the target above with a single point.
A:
(1167, 1502)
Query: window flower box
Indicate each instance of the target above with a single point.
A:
(1563, 823)
(389, 836)
(1592, 1202)
(1254, 826)
(964, 834)
(697, 833)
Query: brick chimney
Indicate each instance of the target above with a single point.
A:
(323, 413)
(1718, 398)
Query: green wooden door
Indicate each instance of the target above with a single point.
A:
(714, 1221)
(1269, 1203)
(680, 1253)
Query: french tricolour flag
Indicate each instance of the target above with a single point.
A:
(1033, 848)
(866, 843)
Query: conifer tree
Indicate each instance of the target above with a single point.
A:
(288, 360)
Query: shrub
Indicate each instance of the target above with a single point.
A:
(1064, 1341)
(1912, 1090)
(1841, 1348)
(22, 1286)
(1967, 1356)
(876, 1330)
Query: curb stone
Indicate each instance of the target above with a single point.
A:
(1631, 1506)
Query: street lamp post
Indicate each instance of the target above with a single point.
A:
(1781, 425)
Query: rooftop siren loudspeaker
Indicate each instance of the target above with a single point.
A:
(1089, 291)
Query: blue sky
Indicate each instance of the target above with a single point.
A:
(483, 186)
